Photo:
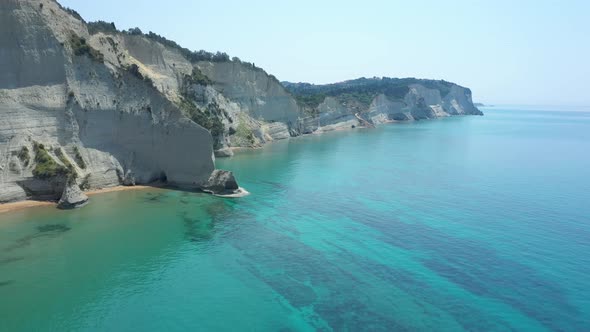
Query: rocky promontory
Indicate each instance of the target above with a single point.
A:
(86, 101)
(77, 105)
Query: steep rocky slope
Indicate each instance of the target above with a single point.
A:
(368, 102)
(69, 110)
(243, 106)
(88, 104)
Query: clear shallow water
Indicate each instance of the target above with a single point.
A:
(470, 223)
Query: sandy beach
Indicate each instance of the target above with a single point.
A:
(117, 188)
(14, 206)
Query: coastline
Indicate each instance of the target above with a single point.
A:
(320, 132)
(237, 149)
(21, 205)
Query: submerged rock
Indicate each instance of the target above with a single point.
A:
(72, 197)
(221, 183)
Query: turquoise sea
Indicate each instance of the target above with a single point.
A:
(466, 223)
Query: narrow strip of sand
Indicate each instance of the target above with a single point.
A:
(15, 206)
(117, 188)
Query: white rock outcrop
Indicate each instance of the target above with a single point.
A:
(72, 196)
(84, 100)
(126, 108)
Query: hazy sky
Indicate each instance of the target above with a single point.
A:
(507, 52)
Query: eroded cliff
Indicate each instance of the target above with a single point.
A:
(368, 102)
(70, 109)
(88, 104)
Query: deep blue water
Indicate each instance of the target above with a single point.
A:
(466, 223)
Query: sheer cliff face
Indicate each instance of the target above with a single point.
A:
(92, 116)
(260, 95)
(422, 103)
(113, 107)
(375, 101)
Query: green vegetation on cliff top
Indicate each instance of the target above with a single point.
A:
(361, 91)
(192, 56)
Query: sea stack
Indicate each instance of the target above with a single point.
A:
(72, 196)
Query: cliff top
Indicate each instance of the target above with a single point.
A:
(362, 89)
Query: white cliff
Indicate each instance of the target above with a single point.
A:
(110, 107)
(84, 103)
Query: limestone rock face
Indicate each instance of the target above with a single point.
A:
(259, 94)
(391, 100)
(125, 108)
(246, 97)
(112, 125)
(459, 102)
(72, 197)
(221, 183)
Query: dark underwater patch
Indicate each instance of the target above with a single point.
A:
(51, 230)
(6, 283)
(197, 230)
(289, 266)
(9, 260)
(154, 198)
(481, 270)
(465, 262)
(298, 294)
(56, 228)
(275, 185)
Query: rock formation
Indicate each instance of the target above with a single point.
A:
(72, 196)
(367, 102)
(114, 107)
(79, 97)
(222, 183)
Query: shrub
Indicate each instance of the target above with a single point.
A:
(208, 118)
(24, 156)
(135, 32)
(80, 48)
(134, 70)
(71, 171)
(215, 125)
(360, 92)
(197, 77)
(78, 158)
(85, 185)
(244, 133)
(193, 56)
(46, 167)
(113, 44)
(311, 101)
(73, 13)
(102, 26)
